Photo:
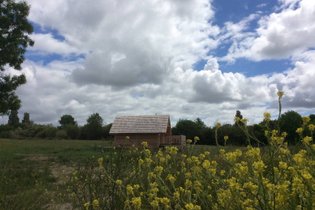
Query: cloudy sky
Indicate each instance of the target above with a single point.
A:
(186, 58)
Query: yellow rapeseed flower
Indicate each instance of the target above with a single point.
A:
(307, 140)
(140, 162)
(232, 156)
(283, 165)
(311, 127)
(206, 164)
(188, 141)
(100, 162)
(222, 172)
(171, 178)
(299, 158)
(172, 150)
(244, 121)
(233, 183)
(158, 170)
(299, 131)
(147, 152)
(155, 203)
(259, 166)
(253, 153)
(306, 174)
(306, 120)
(136, 202)
(129, 189)
(196, 139)
(251, 187)
(188, 183)
(118, 182)
(86, 205)
(165, 201)
(176, 195)
(218, 125)
(197, 186)
(95, 203)
(145, 144)
(280, 94)
(191, 206)
(267, 116)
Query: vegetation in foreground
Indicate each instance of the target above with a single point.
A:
(271, 177)
(249, 178)
(33, 173)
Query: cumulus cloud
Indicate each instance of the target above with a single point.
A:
(152, 37)
(281, 34)
(139, 57)
(209, 93)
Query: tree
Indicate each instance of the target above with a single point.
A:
(106, 130)
(312, 117)
(26, 120)
(14, 39)
(188, 128)
(94, 127)
(67, 120)
(69, 127)
(13, 120)
(289, 122)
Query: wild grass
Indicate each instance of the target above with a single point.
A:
(26, 177)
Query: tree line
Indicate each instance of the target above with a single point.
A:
(94, 129)
(68, 128)
(238, 133)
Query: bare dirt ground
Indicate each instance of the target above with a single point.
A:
(62, 175)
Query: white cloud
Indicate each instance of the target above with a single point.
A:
(209, 94)
(152, 37)
(46, 43)
(139, 58)
(280, 35)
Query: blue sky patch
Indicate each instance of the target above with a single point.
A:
(47, 30)
(253, 68)
(47, 58)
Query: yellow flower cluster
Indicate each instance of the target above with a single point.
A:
(250, 178)
(204, 177)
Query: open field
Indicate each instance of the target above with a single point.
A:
(71, 174)
(33, 172)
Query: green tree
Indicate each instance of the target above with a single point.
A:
(14, 39)
(190, 128)
(289, 122)
(312, 117)
(67, 120)
(13, 120)
(73, 131)
(26, 120)
(106, 130)
(69, 127)
(94, 127)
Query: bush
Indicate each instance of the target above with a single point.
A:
(61, 134)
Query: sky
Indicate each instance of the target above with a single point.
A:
(185, 58)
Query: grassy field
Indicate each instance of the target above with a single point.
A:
(92, 175)
(33, 172)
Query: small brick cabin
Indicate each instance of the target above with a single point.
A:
(154, 129)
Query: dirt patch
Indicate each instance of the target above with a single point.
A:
(37, 158)
(61, 172)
